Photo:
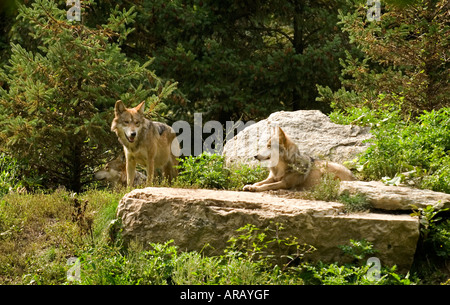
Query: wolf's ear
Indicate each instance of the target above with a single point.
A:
(141, 107)
(120, 107)
(281, 135)
(280, 130)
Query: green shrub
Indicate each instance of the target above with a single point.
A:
(111, 265)
(9, 174)
(358, 249)
(209, 171)
(242, 174)
(204, 171)
(414, 150)
(433, 248)
(266, 247)
(335, 274)
(245, 261)
(327, 189)
(418, 146)
(435, 231)
(16, 175)
(355, 203)
(441, 239)
(355, 273)
(363, 116)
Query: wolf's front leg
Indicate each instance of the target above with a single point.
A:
(266, 181)
(250, 187)
(131, 171)
(267, 187)
(150, 171)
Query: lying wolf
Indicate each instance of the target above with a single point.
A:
(151, 144)
(115, 173)
(290, 168)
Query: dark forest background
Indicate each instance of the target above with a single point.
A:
(229, 60)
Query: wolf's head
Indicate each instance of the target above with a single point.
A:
(276, 147)
(128, 121)
(113, 171)
(276, 143)
(279, 148)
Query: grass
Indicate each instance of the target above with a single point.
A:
(210, 171)
(38, 232)
(328, 190)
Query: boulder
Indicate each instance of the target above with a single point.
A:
(388, 197)
(311, 130)
(196, 217)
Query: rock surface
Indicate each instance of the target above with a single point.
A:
(193, 218)
(311, 130)
(389, 197)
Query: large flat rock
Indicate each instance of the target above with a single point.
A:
(390, 197)
(195, 217)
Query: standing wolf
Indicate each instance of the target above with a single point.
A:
(151, 144)
(290, 168)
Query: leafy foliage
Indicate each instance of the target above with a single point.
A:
(419, 147)
(38, 232)
(404, 57)
(327, 189)
(206, 170)
(435, 231)
(433, 248)
(415, 152)
(358, 249)
(355, 273)
(209, 171)
(9, 174)
(247, 260)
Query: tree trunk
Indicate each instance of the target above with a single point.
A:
(297, 100)
(76, 168)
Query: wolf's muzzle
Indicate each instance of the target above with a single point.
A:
(262, 157)
(131, 137)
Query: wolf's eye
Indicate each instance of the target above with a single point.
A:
(137, 123)
(126, 122)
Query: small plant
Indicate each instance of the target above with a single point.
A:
(9, 174)
(351, 274)
(209, 171)
(355, 203)
(242, 174)
(435, 231)
(204, 171)
(266, 247)
(247, 260)
(82, 218)
(327, 189)
(358, 249)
